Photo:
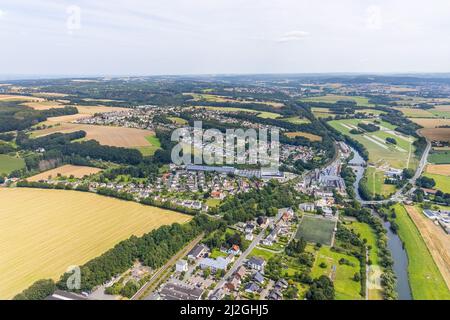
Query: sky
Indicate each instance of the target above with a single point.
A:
(138, 37)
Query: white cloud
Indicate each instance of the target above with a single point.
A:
(295, 35)
(2, 13)
(374, 20)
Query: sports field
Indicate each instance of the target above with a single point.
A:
(43, 232)
(316, 229)
(425, 279)
(9, 164)
(65, 171)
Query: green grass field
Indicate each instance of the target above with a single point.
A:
(316, 230)
(261, 253)
(442, 182)
(366, 232)
(296, 120)
(331, 98)
(178, 120)
(424, 276)
(400, 156)
(261, 114)
(8, 164)
(345, 287)
(439, 157)
(155, 144)
(375, 182)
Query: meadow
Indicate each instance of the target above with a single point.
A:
(439, 157)
(43, 232)
(442, 181)
(218, 98)
(341, 274)
(425, 279)
(9, 164)
(296, 120)
(261, 114)
(306, 135)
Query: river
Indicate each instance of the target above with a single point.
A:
(394, 243)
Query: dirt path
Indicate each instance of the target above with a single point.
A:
(437, 241)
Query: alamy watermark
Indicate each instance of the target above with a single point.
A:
(234, 147)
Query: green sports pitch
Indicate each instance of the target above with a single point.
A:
(316, 229)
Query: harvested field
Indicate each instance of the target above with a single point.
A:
(12, 97)
(437, 134)
(43, 232)
(442, 169)
(43, 105)
(307, 135)
(431, 123)
(105, 135)
(66, 171)
(437, 241)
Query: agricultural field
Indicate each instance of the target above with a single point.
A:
(437, 241)
(261, 114)
(43, 232)
(436, 134)
(341, 274)
(425, 279)
(442, 181)
(296, 120)
(65, 171)
(431, 123)
(8, 164)
(370, 111)
(439, 157)
(316, 229)
(149, 150)
(10, 97)
(442, 111)
(105, 135)
(442, 169)
(322, 112)
(217, 98)
(306, 135)
(331, 98)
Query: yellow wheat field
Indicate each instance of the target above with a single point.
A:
(66, 171)
(43, 232)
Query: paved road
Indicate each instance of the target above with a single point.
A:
(241, 259)
(168, 265)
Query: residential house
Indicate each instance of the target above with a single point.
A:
(181, 266)
(256, 263)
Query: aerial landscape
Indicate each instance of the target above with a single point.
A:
(223, 185)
